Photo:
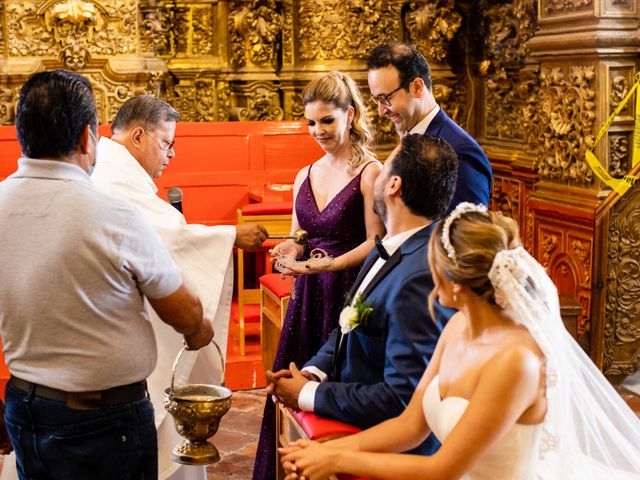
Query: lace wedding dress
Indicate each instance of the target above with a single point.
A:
(511, 458)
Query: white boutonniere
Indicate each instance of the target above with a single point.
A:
(352, 316)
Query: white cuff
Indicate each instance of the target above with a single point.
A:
(307, 396)
(317, 372)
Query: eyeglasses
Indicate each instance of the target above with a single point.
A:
(385, 98)
(163, 144)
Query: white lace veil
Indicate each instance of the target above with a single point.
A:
(588, 432)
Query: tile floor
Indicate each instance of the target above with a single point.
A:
(237, 438)
(630, 392)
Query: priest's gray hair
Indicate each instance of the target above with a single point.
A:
(144, 111)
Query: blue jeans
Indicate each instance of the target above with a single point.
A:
(52, 441)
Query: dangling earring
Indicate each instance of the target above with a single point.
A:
(455, 298)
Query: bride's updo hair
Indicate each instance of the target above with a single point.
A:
(476, 238)
(341, 91)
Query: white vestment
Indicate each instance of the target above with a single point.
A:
(204, 254)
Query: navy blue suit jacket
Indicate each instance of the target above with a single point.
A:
(380, 364)
(474, 169)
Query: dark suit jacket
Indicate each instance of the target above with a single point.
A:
(474, 169)
(380, 364)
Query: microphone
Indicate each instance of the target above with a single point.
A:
(174, 195)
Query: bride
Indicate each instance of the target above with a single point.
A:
(508, 392)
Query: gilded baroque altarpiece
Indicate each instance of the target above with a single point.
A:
(533, 80)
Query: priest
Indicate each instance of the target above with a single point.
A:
(139, 150)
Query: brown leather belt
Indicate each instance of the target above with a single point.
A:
(85, 400)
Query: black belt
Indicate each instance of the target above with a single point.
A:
(85, 400)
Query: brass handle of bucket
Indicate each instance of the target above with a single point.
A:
(175, 363)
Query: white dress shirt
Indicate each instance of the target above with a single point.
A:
(423, 124)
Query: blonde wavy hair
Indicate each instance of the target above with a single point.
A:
(476, 238)
(340, 90)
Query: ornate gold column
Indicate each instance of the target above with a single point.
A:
(543, 105)
(198, 53)
(255, 41)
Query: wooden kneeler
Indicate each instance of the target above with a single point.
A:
(292, 425)
(275, 290)
(276, 218)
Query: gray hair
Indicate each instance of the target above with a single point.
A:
(145, 111)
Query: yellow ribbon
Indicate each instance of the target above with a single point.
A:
(636, 128)
(620, 185)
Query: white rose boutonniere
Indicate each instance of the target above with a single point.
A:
(354, 315)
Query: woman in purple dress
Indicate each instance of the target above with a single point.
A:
(333, 202)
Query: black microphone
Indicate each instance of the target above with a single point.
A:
(175, 198)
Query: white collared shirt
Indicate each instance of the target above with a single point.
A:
(307, 395)
(423, 124)
(80, 265)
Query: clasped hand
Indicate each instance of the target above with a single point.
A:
(301, 460)
(286, 384)
(310, 267)
(307, 460)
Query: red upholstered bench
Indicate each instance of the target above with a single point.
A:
(293, 425)
(278, 284)
(275, 290)
(318, 428)
(268, 208)
(323, 429)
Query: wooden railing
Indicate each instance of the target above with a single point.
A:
(615, 313)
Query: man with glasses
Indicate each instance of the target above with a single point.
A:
(139, 150)
(400, 85)
(78, 267)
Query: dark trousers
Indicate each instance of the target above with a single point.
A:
(54, 442)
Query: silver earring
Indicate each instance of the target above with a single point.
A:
(455, 298)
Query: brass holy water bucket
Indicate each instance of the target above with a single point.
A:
(196, 410)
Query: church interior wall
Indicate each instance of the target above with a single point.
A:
(532, 80)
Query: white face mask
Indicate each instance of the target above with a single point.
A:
(95, 143)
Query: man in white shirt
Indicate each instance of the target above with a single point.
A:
(400, 83)
(141, 147)
(78, 266)
(367, 374)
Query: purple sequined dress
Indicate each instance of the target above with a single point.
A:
(318, 299)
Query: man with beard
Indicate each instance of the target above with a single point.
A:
(366, 374)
